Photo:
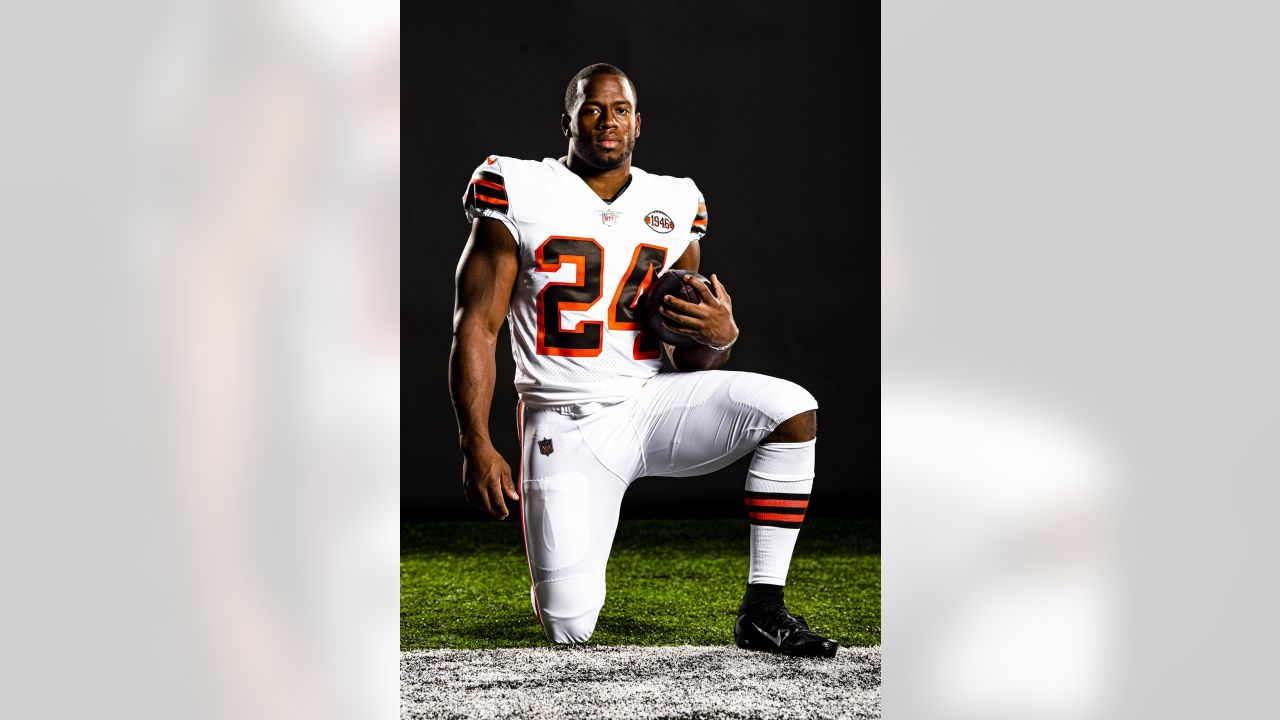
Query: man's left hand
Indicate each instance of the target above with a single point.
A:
(711, 322)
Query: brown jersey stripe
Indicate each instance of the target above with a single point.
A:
(473, 200)
(490, 185)
(487, 176)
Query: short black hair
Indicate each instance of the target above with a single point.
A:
(590, 71)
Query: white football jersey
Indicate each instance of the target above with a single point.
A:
(584, 265)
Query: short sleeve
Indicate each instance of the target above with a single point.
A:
(487, 192)
(700, 215)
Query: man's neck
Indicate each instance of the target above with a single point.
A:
(606, 183)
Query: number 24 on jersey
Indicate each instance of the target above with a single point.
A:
(587, 340)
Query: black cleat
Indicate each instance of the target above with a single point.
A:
(770, 628)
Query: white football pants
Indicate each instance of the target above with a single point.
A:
(577, 462)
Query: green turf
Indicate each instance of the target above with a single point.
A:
(670, 582)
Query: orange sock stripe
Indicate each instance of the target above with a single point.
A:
(775, 502)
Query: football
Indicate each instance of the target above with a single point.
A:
(670, 283)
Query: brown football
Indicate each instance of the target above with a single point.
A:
(672, 283)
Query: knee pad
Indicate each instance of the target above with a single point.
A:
(568, 631)
(557, 526)
(570, 607)
(777, 398)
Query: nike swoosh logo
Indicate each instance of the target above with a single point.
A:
(777, 639)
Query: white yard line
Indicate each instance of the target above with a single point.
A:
(637, 682)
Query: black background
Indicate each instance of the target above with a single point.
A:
(772, 109)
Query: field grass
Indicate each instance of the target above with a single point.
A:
(670, 582)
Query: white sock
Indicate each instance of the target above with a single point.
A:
(778, 484)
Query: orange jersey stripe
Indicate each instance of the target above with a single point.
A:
(493, 201)
(486, 183)
(537, 611)
(699, 222)
(775, 516)
(768, 502)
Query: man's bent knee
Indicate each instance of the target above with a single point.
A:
(798, 428)
(569, 608)
(570, 629)
(778, 398)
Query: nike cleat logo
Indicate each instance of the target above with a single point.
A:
(777, 639)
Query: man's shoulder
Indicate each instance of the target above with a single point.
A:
(671, 183)
(500, 183)
(504, 165)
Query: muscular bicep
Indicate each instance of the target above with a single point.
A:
(690, 259)
(485, 277)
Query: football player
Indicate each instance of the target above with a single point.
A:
(563, 249)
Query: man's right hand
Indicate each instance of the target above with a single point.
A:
(486, 275)
(486, 478)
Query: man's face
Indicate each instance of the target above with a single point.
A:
(604, 126)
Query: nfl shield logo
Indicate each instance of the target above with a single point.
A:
(609, 217)
(545, 447)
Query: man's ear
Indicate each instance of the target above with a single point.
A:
(566, 124)
(637, 124)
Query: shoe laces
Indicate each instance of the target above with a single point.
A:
(779, 617)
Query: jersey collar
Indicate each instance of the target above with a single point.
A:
(585, 190)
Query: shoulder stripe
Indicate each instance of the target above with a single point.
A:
(700, 219)
(489, 184)
(489, 200)
(488, 176)
(491, 188)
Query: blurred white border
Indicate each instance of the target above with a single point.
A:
(206, 296)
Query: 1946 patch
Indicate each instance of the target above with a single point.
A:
(659, 221)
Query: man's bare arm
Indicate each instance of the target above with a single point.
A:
(486, 274)
(711, 322)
